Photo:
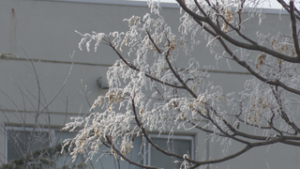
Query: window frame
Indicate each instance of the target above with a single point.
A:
(147, 147)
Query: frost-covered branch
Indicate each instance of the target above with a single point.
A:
(158, 84)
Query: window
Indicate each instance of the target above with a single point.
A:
(145, 154)
(107, 161)
(175, 144)
(40, 147)
(20, 141)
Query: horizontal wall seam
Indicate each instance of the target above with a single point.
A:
(59, 113)
(56, 61)
(105, 65)
(143, 3)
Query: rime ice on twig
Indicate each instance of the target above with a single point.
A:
(149, 93)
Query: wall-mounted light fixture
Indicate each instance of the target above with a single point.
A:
(102, 83)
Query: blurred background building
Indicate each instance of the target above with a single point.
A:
(45, 79)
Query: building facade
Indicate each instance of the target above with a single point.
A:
(45, 79)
